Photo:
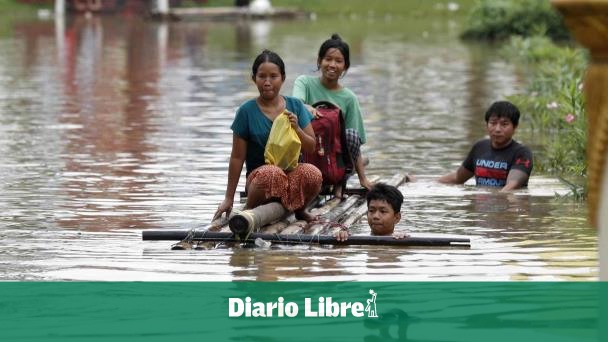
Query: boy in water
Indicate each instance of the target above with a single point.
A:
(383, 211)
(498, 161)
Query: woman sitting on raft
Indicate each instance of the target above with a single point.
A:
(251, 127)
(333, 61)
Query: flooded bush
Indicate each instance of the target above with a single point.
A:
(554, 105)
(500, 19)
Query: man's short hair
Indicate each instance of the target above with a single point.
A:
(503, 109)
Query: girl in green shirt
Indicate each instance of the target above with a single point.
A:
(333, 61)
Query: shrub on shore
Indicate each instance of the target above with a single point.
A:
(500, 19)
(554, 104)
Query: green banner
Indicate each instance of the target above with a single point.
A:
(303, 311)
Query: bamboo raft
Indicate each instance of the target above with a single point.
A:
(272, 223)
(294, 239)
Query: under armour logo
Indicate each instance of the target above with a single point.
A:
(522, 161)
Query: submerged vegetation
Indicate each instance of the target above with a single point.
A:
(552, 102)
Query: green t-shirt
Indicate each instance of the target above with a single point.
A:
(310, 90)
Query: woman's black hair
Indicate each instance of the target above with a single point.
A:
(270, 57)
(337, 43)
(503, 109)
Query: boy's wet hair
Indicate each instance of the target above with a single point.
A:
(335, 42)
(503, 109)
(388, 193)
(270, 57)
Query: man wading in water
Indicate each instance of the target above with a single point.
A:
(498, 161)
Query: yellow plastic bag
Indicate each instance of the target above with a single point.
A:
(283, 146)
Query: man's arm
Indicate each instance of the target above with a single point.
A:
(458, 177)
(515, 180)
(520, 171)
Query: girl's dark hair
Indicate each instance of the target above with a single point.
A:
(503, 109)
(385, 192)
(270, 57)
(335, 42)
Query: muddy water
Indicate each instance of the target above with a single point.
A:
(110, 125)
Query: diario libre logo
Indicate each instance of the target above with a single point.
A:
(322, 307)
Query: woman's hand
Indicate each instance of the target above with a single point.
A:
(225, 207)
(293, 119)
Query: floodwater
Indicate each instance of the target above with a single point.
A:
(112, 125)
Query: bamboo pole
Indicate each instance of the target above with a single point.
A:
(356, 215)
(244, 222)
(298, 226)
(588, 22)
(157, 235)
(332, 217)
(277, 227)
(283, 226)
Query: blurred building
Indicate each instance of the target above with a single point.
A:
(110, 6)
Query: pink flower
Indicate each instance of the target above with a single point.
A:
(570, 118)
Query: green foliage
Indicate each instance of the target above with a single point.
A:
(553, 104)
(500, 19)
(11, 11)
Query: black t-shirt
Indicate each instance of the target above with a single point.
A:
(491, 166)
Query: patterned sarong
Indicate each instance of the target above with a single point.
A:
(294, 189)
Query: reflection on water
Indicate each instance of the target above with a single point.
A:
(109, 126)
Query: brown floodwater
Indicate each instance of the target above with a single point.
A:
(112, 125)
